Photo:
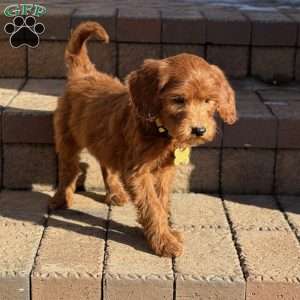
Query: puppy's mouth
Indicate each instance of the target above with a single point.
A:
(194, 142)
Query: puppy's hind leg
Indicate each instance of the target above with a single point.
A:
(115, 192)
(68, 161)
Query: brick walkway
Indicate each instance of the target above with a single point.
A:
(241, 245)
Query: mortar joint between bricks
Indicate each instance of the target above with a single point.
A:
(250, 49)
(221, 161)
(274, 184)
(106, 254)
(45, 225)
(174, 277)
(237, 245)
(173, 265)
(117, 43)
(205, 51)
(295, 57)
(27, 62)
(160, 34)
(291, 225)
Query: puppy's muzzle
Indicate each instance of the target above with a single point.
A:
(198, 131)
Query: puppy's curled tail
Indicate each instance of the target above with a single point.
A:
(76, 56)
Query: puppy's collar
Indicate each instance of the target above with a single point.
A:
(160, 127)
(163, 131)
(181, 155)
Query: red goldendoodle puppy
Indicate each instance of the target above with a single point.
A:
(136, 130)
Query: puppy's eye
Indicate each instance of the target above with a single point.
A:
(207, 100)
(179, 100)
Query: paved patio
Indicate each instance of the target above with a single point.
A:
(236, 248)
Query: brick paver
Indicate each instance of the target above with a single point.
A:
(273, 64)
(273, 263)
(204, 176)
(14, 64)
(57, 23)
(233, 60)
(28, 166)
(297, 65)
(288, 115)
(29, 117)
(255, 212)
(69, 262)
(43, 63)
(268, 248)
(209, 267)
(288, 172)
(22, 216)
(104, 56)
(279, 95)
(131, 56)
(192, 212)
(173, 49)
(201, 174)
(133, 271)
(143, 25)
(106, 17)
(271, 28)
(291, 206)
(226, 26)
(253, 115)
(8, 90)
(248, 84)
(242, 169)
(183, 27)
(293, 14)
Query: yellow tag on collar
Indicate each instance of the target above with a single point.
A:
(182, 156)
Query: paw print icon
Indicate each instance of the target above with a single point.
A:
(24, 31)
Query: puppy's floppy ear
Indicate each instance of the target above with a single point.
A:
(226, 104)
(144, 87)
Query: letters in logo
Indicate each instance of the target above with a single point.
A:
(24, 30)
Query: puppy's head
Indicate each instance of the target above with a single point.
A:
(183, 92)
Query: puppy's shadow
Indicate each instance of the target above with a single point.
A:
(88, 222)
(119, 232)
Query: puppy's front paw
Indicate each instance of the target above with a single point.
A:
(113, 199)
(178, 235)
(60, 200)
(167, 245)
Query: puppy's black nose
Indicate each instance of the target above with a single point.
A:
(198, 131)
